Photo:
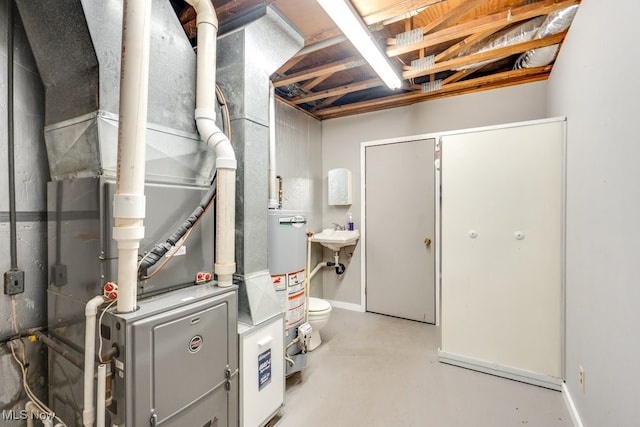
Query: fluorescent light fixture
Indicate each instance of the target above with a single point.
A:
(348, 20)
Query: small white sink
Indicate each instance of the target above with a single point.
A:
(336, 239)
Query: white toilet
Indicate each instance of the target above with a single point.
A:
(319, 312)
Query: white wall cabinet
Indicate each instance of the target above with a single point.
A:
(502, 249)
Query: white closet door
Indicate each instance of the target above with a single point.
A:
(502, 248)
(400, 209)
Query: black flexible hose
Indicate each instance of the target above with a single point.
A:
(160, 249)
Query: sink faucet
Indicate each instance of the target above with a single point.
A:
(338, 226)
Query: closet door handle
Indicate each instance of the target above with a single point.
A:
(427, 241)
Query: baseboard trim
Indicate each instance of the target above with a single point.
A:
(346, 305)
(500, 370)
(573, 411)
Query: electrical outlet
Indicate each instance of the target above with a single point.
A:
(581, 377)
(14, 282)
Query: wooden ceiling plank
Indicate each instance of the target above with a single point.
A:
(223, 10)
(464, 44)
(187, 14)
(315, 82)
(491, 80)
(451, 15)
(314, 47)
(342, 90)
(487, 23)
(322, 36)
(494, 54)
(289, 64)
(398, 9)
(311, 73)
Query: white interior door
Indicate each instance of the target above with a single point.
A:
(400, 224)
(502, 247)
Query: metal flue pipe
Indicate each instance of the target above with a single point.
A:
(129, 200)
(226, 163)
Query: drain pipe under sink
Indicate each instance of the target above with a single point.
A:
(226, 164)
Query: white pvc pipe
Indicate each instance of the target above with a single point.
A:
(273, 197)
(317, 268)
(30, 408)
(307, 281)
(102, 384)
(226, 163)
(129, 201)
(90, 311)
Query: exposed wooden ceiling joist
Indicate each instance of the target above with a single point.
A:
(463, 44)
(314, 81)
(342, 90)
(487, 23)
(334, 67)
(494, 54)
(459, 75)
(326, 102)
(486, 82)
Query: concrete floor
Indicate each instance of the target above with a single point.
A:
(374, 370)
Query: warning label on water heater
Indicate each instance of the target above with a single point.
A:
(264, 369)
(279, 282)
(295, 313)
(295, 282)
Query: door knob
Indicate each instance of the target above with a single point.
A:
(427, 241)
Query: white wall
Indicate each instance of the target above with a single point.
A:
(341, 140)
(595, 84)
(298, 154)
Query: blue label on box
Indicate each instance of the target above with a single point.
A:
(264, 369)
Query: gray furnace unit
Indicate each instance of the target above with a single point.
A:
(177, 361)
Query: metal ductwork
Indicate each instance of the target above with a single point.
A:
(519, 33)
(555, 23)
(533, 29)
(76, 45)
(252, 48)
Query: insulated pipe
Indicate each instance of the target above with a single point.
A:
(72, 357)
(102, 384)
(90, 311)
(273, 202)
(129, 200)
(226, 163)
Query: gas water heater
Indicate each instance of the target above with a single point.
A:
(287, 235)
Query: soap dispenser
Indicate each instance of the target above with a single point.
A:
(349, 221)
